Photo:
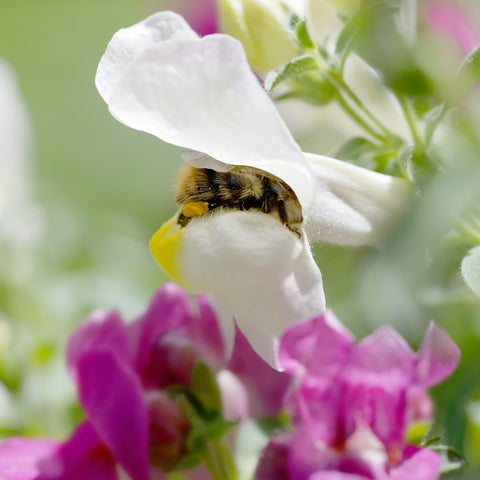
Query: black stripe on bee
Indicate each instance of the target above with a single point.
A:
(242, 188)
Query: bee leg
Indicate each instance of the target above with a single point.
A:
(183, 220)
(282, 213)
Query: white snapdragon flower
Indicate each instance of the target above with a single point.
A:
(21, 221)
(471, 269)
(200, 93)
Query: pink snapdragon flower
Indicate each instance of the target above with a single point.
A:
(124, 374)
(353, 403)
(453, 22)
(202, 16)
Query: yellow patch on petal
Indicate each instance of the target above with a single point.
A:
(195, 209)
(165, 246)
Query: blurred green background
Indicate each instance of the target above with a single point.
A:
(103, 189)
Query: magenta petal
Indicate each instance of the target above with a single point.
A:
(307, 456)
(321, 345)
(329, 475)
(169, 310)
(419, 464)
(101, 330)
(374, 386)
(112, 398)
(172, 312)
(449, 19)
(267, 386)
(19, 457)
(207, 331)
(272, 464)
(202, 16)
(438, 356)
(384, 352)
(82, 456)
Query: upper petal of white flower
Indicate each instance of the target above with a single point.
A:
(128, 43)
(199, 93)
(353, 205)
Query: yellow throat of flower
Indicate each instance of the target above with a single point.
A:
(165, 246)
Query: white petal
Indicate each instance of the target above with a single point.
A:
(260, 272)
(128, 43)
(202, 95)
(235, 402)
(471, 269)
(200, 160)
(15, 142)
(353, 205)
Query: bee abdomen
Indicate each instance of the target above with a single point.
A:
(241, 188)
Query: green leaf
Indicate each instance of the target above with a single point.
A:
(452, 460)
(411, 81)
(311, 87)
(467, 76)
(347, 37)
(303, 35)
(293, 20)
(292, 69)
(355, 148)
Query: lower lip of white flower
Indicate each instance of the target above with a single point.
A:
(224, 250)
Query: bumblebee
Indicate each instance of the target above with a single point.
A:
(203, 190)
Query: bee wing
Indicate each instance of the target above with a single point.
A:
(200, 94)
(353, 205)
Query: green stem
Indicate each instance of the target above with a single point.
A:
(225, 459)
(431, 130)
(363, 108)
(211, 465)
(407, 110)
(339, 84)
(354, 115)
(469, 231)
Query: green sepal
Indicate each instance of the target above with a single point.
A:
(203, 412)
(292, 69)
(204, 386)
(363, 152)
(204, 432)
(303, 35)
(187, 462)
(467, 76)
